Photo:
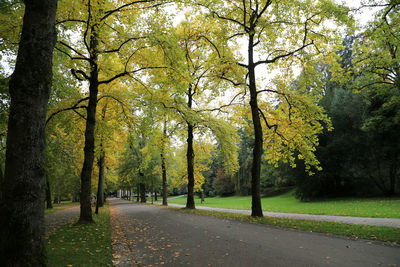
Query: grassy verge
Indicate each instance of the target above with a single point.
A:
(61, 206)
(380, 233)
(82, 245)
(366, 207)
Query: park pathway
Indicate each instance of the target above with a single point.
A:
(56, 219)
(390, 222)
(145, 235)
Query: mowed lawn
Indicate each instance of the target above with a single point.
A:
(365, 207)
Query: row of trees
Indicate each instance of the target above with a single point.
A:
(149, 97)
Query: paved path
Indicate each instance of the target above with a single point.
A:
(151, 236)
(391, 222)
(56, 219)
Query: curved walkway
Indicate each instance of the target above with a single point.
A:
(56, 219)
(145, 235)
(389, 222)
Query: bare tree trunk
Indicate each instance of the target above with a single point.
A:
(49, 205)
(23, 188)
(137, 192)
(100, 185)
(86, 174)
(190, 158)
(256, 209)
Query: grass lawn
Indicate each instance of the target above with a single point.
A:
(372, 207)
(63, 205)
(82, 245)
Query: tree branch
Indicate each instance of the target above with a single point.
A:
(74, 107)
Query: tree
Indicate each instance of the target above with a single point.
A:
(279, 35)
(377, 66)
(22, 203)
(101, 37)
(198, 67)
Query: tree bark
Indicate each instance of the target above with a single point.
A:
(49, 205)
(256, 209)
(142, 187)
(100, 185)
(86, 174)
(163, 167)
(22, 203)
(190, 157)
(137, 192)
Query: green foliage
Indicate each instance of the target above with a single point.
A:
(82, 245)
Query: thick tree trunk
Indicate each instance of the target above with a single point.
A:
(137, 192)
(49, 205)
(100, 185)
(256, 209)
(22, 203)
(142, 187)
(155, 196)
(86, 174)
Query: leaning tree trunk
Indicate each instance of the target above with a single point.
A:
(23, 188)
(100, 185)
(49, 205)
(86, 174)
(256, 209)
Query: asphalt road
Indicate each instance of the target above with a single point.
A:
(161, 237)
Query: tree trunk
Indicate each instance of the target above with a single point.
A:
(190, 168)
(100, 185)
(142, 187)
(155, 196)
(49, 205)
(164, 181)
(86, 174)
(23, 188)
(163, 167)
(190, 158)
(137, 192)
(256, 209)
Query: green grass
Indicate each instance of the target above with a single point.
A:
(375, 207)
(380, 233)
(82, 245)
(62, 206)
